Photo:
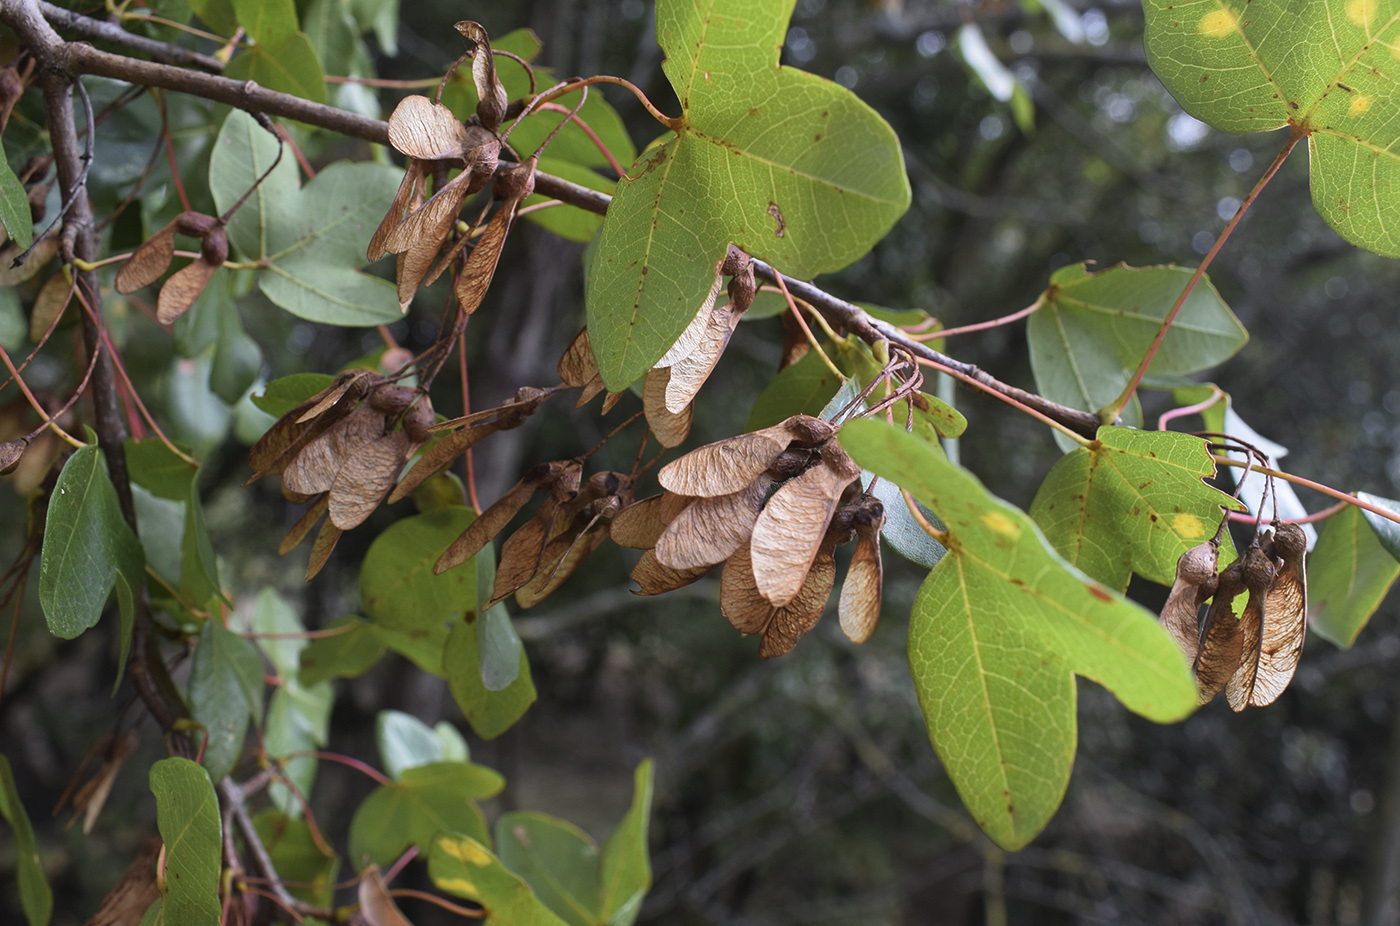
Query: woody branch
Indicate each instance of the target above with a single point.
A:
(72, 59)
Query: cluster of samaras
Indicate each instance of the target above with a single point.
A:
(777, 545)
(1251, 655)
(434, 140)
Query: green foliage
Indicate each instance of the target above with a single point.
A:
(397, 583)
(88, 548)
(35, 895)
(584, 883)
(226, 691)
(187, 814)
(762, 157)
(1353, 566)
(462, 865)
(422, 802)
(490, 713)
(1093, 329)
(309, 871)
(999, 630)
(14, 205)
(309, 241)
(1132, 501)
(1322, 67)
(282, 57)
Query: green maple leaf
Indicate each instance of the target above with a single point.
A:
(1133, 501)
(999, 630)
(1326, 67)
(789, 166)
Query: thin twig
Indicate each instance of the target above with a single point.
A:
(90, 28)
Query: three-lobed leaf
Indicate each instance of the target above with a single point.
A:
(787, 165)
(1132, 501)
(1324, 66)
(584, 883)
(397, 584)
(426, 800)
(460, 864)
(1093, 330)
(998, 631)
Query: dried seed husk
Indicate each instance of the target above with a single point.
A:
(708, 531)
(578, 367)
(790, 529)
(290, 434)
(415, 175)
(523, 550)
(303, 526)
(795, 343)
(1273, 641)
(859, 604)
(10, 453)
(356, 384)
(640, 526)
(326, 539)
(561, 557)
(742, 286)
(669, 428)
(511, 415)
(182, 289)
(126, 903)
(366, 478)
(50, 305)
(417, 421)
(1218, 653)
(438, 456)
(391, 398)
(750, 612)
(1181, 614)
(609, 400)
(695, 332)
(196, 224)
(493, 519)
(656, 579)
(376, 906)
(689, 373)
(422, 128)
(725, 467)
(491, 95)
(148, 261)
(480, 267)
(315, 468)
(420, 236)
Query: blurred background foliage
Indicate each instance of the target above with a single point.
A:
(805, 790)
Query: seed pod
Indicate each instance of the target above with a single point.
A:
(670, 428)
(708, 531)
(1218, 655)
(493, 519)
(859, 605)
(727, 466)
(1259, 574)
(1181, 613)
(1284, 623)
(750, 612)
(789, 531)
(10, 453)
(640, 526)
(656, 579)
(148, 261)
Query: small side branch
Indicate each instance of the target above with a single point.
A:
(102, 31)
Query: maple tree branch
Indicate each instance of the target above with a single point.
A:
(74, 58)
(90, 28)
(79, 243)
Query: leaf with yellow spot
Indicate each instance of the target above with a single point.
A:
(999, 630)
(462, 866)
(1325, 66)
(1133, 501)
